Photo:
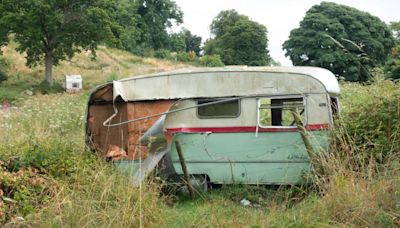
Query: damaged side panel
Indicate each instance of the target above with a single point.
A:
(106, 140)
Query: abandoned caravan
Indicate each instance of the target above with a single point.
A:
(218, 125)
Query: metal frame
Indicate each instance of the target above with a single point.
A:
(303, 96)
(217, 117)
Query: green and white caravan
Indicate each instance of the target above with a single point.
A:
(233, 124)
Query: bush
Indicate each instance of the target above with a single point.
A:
(211, 61)
(372, 119)
(4, 65)
(163, 54)
(3, 76)
(392, 68)
(46, 88)
(182, 57)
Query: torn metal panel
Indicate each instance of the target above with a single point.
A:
(136, 130)
(147, 166)
(99, 137)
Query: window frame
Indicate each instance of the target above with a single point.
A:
(281, 97)
(218, 117)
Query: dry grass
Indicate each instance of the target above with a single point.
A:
(356, 189)
(108, 62)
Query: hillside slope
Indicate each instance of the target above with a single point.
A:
(108, 65)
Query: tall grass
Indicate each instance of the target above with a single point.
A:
(48, 178)
(51, 177)
(360, 180)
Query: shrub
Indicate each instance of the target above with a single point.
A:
(372, 119)
(182, 57)
(163, 54)
(392, 68)
(46, 88)
(3, 76)
(4, 65)
(211, 61)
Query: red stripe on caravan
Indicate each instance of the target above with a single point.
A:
(310, 127)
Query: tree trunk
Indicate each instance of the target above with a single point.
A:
(49, 67)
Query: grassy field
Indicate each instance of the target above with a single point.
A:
(49, 179)
(110, 64)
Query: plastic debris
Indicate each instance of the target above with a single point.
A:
(245, 202)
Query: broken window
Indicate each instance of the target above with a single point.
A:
(279, 111)
(229, 109)
(335, 108)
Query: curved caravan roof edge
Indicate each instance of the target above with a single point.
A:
(121, 87)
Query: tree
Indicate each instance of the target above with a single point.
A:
(340, 38)
(192, 42)
(238, 40)
(185, 41)
(154, 18)
(177, 42)
(55, 30)
(392, 66)
(124, 27)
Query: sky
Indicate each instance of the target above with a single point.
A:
(280, 17)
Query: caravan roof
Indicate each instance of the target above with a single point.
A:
(226, 82)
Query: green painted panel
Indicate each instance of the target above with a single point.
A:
(276, 157)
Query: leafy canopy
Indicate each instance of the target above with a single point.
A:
(55, 30)
(154, 18)
(392, 66)
(185, 41)
(340, 38)
(238, 40)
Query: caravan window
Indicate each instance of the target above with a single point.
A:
(230, 109)
(278, 111)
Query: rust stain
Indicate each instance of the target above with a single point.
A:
(140, 109)
(102, 136)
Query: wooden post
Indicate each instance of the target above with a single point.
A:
(184, 168)
(310, 150)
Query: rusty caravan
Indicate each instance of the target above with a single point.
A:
(231, 124)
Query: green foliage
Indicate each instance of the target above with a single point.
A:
(211, 61)
(56, 30)
(163, 54)
(395, 27)
(371, 118)
(154, 18)
(185, 41)
(192, 42)
(238, 40)
(186, 56)
(182, 57)
(124, 25)
(340, 38)
(50, 179)
(26, 190)
(392, 65)
(46, 88)
(4, 65)
(33, 154)
(9, 95)
(177, 42)
(392, 68)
